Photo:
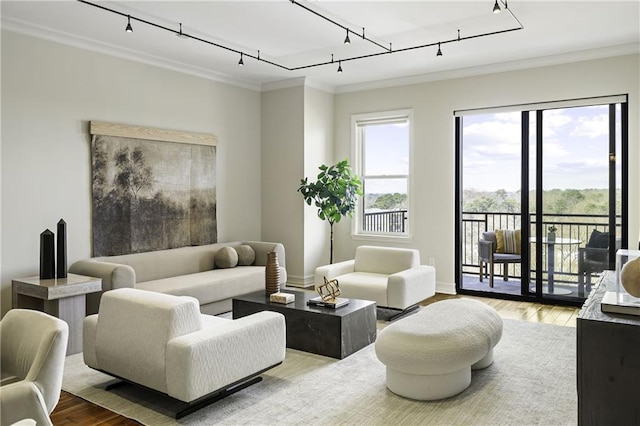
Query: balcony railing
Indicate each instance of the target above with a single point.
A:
(385, 221)
(577, 227)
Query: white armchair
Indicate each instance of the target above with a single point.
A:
(392, 277)
(163, 342)
(33, 346)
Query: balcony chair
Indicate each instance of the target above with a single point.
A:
(594, 258)
(33, 347)
(164, 343)
(492, 249)
(391, 277)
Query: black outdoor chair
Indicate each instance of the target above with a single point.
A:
(594, 258)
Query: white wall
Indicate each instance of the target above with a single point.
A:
(282, 169)
(434, 151)
(50, 92)
(318, 150)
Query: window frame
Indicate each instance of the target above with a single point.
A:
(358, 122)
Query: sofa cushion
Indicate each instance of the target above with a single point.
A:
(385, 260)
(246, 255)
(365, 286)
(226, 257)
(211, 286)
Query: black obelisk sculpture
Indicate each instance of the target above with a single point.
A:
(47, 261)
(62, 249)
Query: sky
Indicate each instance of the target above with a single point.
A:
(386, 153)
(575, 149)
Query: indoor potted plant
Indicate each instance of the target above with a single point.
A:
(334, 194)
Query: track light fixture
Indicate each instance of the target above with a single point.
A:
(384, 49)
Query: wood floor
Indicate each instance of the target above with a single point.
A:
(72, 410)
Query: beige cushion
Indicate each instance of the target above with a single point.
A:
(246, 255)
(226, 257)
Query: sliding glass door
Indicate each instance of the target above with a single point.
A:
(546, 187)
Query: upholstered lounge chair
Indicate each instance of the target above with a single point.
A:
(488, 256)
(164, 343)
(391, 277)
(33, 346)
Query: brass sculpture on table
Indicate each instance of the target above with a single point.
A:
(329, 291)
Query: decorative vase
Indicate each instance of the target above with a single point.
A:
(62, 249)
(47, 261)
(272, 274)
(551, 237)
(630, 277)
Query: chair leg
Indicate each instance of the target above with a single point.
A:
(505, 269)
(491, 270)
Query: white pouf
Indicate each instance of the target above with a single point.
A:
(430, 355)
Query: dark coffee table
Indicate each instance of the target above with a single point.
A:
(336, 333)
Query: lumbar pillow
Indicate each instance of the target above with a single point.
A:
(246, 255)
(226, 257)
(508, 241)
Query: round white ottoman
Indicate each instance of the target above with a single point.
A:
(430, 355)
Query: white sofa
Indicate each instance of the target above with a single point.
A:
(185, 271)
(176, 350)
(392, 277)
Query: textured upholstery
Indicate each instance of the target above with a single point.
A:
(430, 355)
(175, 349)
(170, 271)
(33, 347)
(391, 277)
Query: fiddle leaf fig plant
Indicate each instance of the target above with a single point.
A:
(334, 194)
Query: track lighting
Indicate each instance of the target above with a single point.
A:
(179, 34)
(499, 5)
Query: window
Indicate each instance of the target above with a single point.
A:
(382, 147)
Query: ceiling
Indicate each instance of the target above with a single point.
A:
(290, 35)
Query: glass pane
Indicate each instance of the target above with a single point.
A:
(491, 176)
(575, 207)
(386, 149)
(385, 206)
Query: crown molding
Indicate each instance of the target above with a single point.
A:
(542, 61)
(296, 82)
(25, 28)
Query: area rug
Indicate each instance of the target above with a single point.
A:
(531, 382)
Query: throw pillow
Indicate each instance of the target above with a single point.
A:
(599, 239)
(226, 257)
(509, 241)
(246, 255)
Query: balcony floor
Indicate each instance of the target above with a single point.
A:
(565, 291)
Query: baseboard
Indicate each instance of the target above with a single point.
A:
(299, 281)
(445, 288)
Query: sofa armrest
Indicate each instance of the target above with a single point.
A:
(114, 275)
(212, 358)
(22, 400)
(411, 286)
(89, 330)
(332, 271)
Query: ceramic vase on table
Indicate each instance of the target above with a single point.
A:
(551, 237)
(630, 277)
(272, 274)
